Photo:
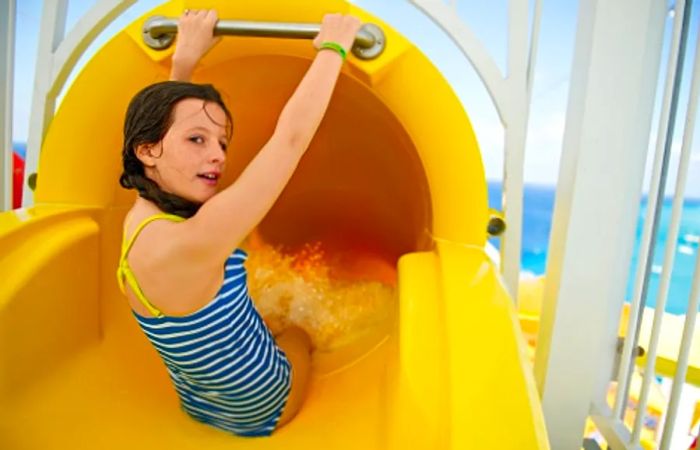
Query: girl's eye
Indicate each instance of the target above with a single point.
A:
(223, 146)
(197, 139)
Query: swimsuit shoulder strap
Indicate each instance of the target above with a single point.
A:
(124, 271)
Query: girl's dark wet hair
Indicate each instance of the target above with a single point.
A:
(148, 118)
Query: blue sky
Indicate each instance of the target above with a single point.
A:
(488, 20)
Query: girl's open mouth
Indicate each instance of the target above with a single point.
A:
(210, 178)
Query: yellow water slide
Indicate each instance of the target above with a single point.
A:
(394, 170)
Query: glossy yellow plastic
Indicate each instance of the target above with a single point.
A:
(394, 169)
(529, 303)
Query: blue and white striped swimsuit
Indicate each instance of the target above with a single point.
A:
(225, 365)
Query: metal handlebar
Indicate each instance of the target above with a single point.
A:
(159, 33)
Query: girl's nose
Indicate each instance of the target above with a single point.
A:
(217, 154)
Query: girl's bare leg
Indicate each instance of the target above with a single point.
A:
(296, 344)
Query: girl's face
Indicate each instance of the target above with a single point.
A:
(191, 157)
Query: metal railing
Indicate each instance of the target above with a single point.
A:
(611, 422)
(609, 115)
(683, 356)
(669, 256)
(159, 33)
(659, 175)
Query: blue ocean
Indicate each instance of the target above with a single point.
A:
(539, 205)
(20, 148)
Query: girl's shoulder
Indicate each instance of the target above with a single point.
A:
(141, 213)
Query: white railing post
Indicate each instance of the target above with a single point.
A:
(511, 95)
(515, 134)
(7, 52)
(607, 130)
(57, 57)
(53, 27)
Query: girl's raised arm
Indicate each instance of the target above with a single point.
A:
(195, 37)
(226, 219)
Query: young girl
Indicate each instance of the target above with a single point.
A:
(181, 268)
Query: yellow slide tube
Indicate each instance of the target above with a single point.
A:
(394, 170)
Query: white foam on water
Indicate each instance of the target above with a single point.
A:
(299, 290)
(691, 238)
(686, 250)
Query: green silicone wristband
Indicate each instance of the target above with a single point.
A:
(334, 46)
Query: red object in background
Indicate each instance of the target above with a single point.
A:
(17, 178)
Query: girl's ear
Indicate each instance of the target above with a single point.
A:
(144, 152)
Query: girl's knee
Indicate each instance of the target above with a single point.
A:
(296, 337)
